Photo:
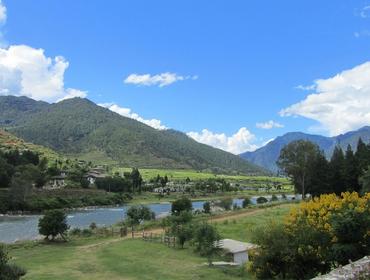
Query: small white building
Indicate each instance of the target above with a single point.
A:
(238, 250)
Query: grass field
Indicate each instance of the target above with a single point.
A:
(242, 228)
(112, 259)
(182, 174)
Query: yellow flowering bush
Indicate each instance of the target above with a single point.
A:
(317, 212)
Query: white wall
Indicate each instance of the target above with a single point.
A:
(241, 257)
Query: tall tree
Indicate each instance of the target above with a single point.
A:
(296, 161)
(336, 166)
(319, 181)
(362, 155)
(137, 180)
(351, 171)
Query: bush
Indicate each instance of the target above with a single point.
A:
(53, 223)
(246, 202)
(75, 231)
(182, 204)
(93, 226)
(207, 207)
(225, 203)
(262, 200)
(317, 235)
(86, 232)
(9, 271)
(274, 198)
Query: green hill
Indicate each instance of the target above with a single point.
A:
(11, 142)
(78, 127)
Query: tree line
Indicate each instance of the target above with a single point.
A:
(313, 173)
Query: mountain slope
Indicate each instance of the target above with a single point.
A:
(266, 156)
(81, 128)
(10, 142)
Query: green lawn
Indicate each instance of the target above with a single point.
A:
(126, 259)
(242, 228)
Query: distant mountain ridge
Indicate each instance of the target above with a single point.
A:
(78, 127)
(267, 155)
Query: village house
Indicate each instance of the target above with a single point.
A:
(58, 181)
(94, 174)
(237, 250)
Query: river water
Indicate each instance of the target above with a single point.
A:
(14, 228)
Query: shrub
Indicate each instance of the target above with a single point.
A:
(262, 200)
(225, 203)
(9, 271)
(274, 198)
(246, 202)
(93, 226)
(182, 204)
(75, 231)
(53, 223)
(86, 232)
(207, 207)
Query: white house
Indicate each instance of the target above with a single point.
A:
(238, 250)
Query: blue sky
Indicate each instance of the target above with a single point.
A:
(232, 74)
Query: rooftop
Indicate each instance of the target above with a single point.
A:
(235, 246)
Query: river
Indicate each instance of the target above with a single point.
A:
(25, 227)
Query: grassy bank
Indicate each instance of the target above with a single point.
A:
(115, 258)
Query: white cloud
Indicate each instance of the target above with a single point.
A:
(237, 143)
(161, 80)
(126, 112)
(302, 87)
(72, 93)
(365, 12)
(269, 125)
(27, 71)
(340, 103)
(2, 13)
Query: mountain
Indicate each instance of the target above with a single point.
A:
(267, 155)
(10, 142)
(78, 127)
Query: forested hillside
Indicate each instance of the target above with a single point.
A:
(83, 129)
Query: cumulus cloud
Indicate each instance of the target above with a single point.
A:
(237, 143)
(269, 125)
(161, 80)
(126, 112)
(27, 71)
(340, 103)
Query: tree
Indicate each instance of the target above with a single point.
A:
(225, 203)
(136, 180)
(207, 207)
(53, 223)
(181, 226)
(246, 202)
(9, 271)
(261, 200)
(336, 166)
(206, 240)
(6, 173)
(137, 214)
(180, 205)
(365, 181)
(319, 182)
(362, 155)
(295, 160)
(20, 189)
(351, 171)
